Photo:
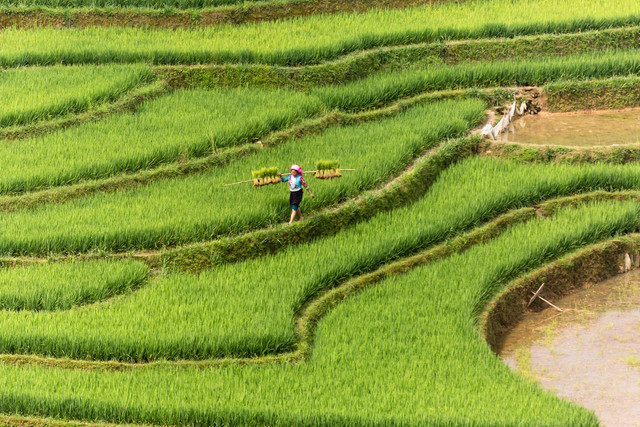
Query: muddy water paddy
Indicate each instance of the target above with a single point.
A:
(576, 129)
(588, 354)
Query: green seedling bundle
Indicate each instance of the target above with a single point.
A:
(266, 176)
(327, 170)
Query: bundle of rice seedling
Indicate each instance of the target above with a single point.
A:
(265, 176)
(327, 170)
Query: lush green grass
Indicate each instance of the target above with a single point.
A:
(31, 94)
(404, 352)
(288, 42)
(198, 207)
(151, 4)
(381, 89)
(248, 308)
(178, 126)
(61, 286)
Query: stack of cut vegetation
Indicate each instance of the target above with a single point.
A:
(327, 170)
(265, 176)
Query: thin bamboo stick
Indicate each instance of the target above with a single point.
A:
(251, 180)
(236, 183)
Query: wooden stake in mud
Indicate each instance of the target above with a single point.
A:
(556, 307)
(327, 169)
(536, 294)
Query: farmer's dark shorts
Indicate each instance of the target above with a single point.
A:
(294, 199)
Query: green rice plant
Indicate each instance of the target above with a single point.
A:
(383, 88)
(249, 308)
(179, 126)
(32, 94)
(287, 42)
(61, 286)
(405, 352)
(199, 207)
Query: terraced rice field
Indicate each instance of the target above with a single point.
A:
(136, 288)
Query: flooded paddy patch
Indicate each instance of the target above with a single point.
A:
(590, 352)
(576, 129)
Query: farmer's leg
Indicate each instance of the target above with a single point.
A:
(294, 210)
(299, 214)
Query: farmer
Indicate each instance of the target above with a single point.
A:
(296, 182)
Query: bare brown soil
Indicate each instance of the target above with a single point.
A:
(536, 97)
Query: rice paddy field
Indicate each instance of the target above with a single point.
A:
(138, 287)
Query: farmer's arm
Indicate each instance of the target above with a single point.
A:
(284, 177)
(304, 184)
